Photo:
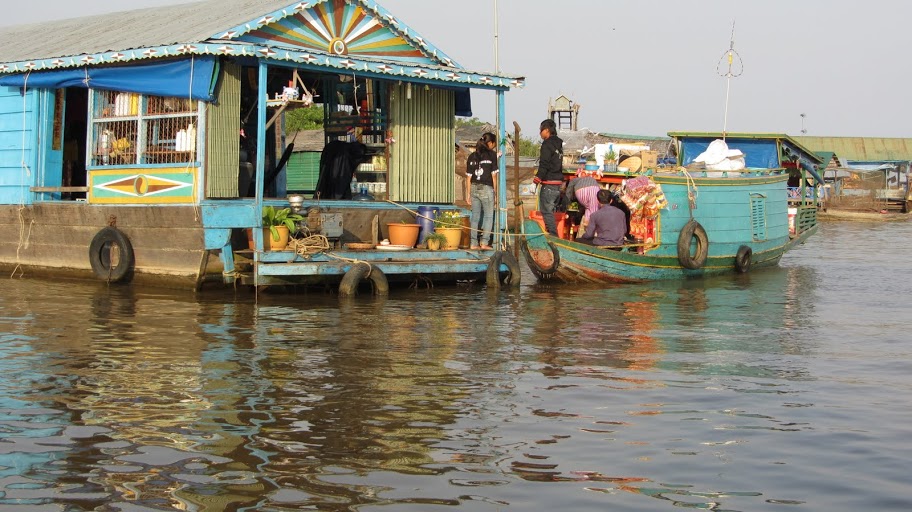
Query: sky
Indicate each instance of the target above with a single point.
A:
(827, 67)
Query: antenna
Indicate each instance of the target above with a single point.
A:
(496, 41)
(729, 56)
(496, 66)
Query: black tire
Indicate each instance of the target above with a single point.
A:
(492, 277)
(359, 272)
(540, 272)
(692, 231)
(101, 249)
(744, 259)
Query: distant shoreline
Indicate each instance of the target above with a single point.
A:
(838, 214)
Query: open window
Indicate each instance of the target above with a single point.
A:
(137, 129)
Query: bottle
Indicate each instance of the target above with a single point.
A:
(190, 141)
(354, 184)
(180, 143)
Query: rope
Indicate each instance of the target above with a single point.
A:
(25, 167)
(308, 246)
(354, 261)
(692, 192)
(23, 240)
(197, 208)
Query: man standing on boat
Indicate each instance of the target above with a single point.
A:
(550, 175)
(608, 225)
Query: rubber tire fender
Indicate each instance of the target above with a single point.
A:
(539, 271)
(100, 255)
(348, 287)
(692, 230)
(513, 278)
(744, 259)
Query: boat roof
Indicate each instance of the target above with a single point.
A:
(348, 35)
(790, 141)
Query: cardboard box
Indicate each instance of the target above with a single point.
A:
(650, 159)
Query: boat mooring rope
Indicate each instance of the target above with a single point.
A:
(309, 245)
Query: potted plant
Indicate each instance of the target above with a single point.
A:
(610, 161)
(435, 241)
(403, 233)
(277, 225)
(449, 224)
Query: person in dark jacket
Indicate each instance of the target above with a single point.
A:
(608, 225)
(550, 175)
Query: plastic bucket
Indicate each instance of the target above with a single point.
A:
(426, 216)
(560, 219)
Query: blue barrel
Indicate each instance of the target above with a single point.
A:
(426, 216)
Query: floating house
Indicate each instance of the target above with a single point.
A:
(865, 173)
(143, 144)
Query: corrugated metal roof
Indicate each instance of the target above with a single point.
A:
(127, 30)
(862, 149)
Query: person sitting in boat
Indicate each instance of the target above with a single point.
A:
(608, 225)
(583, 189)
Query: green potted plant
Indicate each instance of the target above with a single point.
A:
(435, 241)
(277, 225)
(449, 224)
(610, 161)
(448, 219)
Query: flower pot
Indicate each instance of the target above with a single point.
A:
(433, 244)
(275, 245)
(453, 236)
(403, 234)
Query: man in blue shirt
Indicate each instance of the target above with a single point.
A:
(608, 225)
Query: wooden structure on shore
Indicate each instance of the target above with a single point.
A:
(865, 174)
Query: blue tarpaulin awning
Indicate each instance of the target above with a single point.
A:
(463, 102)
(191, 76)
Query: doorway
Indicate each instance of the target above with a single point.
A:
(75, 135)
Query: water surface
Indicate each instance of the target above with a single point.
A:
(784, 389)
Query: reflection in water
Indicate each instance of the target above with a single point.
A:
(703, 394)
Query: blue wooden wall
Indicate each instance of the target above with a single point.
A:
(18, 140)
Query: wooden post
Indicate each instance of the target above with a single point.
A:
(907, 205)
(517, 201)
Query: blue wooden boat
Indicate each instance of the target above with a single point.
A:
(710, 222)
(142, 146)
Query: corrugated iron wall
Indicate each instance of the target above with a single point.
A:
(303, 171)
(422, 160)
(224, 124)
